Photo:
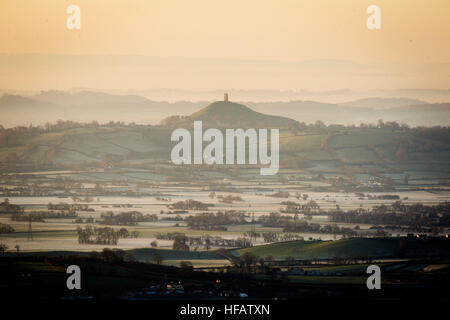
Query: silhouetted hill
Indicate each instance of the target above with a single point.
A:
(86, 106)
(87, 98)
(17, 101)
(225, 113)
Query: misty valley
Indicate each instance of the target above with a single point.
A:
(108, 197)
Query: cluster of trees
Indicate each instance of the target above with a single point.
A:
(415, 216)
(383, 197)
(87, 220)
(273, 236)
(304, 226)
(210, 221)
(189, 205)
(69, 207)
(180, 243)
(169, 235)
(293, 207)
(176, 218)
(292, 224)
(39, 216)
(7, 207)
(27, 217)
(173, 120)
(207, 241)
(277, 237)
(209, 227)
(130, 218)
(3, 248)
(228, 199)
(247, 261)
(6, 228)
(105, 235)
(274, 219)
(320, 126)
(113, 256)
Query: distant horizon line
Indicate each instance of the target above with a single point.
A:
(305, 91)
(173, 96)
(246, 59)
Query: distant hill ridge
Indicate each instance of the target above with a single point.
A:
(87, 97)
(383, 103)
(86, 106)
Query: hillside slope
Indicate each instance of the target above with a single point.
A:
(355, 247)
(224, 113)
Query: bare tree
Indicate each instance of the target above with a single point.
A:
(157, 258)
(3, 248)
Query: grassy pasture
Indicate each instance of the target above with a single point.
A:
(357, 155)
(291, 143)
(374, 137)
(327, 249)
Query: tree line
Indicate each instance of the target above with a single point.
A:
(104, 235)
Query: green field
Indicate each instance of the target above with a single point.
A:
(321, 150)
(361, 139)
(291, 143)
(357, 155)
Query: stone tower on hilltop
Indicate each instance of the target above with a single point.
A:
(225, 97)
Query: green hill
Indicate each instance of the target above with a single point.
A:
(355, 247)
(143, 254)
(148, 254)
(84, 144)
(225, 113)
(389, 149)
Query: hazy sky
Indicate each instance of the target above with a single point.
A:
(277, 44)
